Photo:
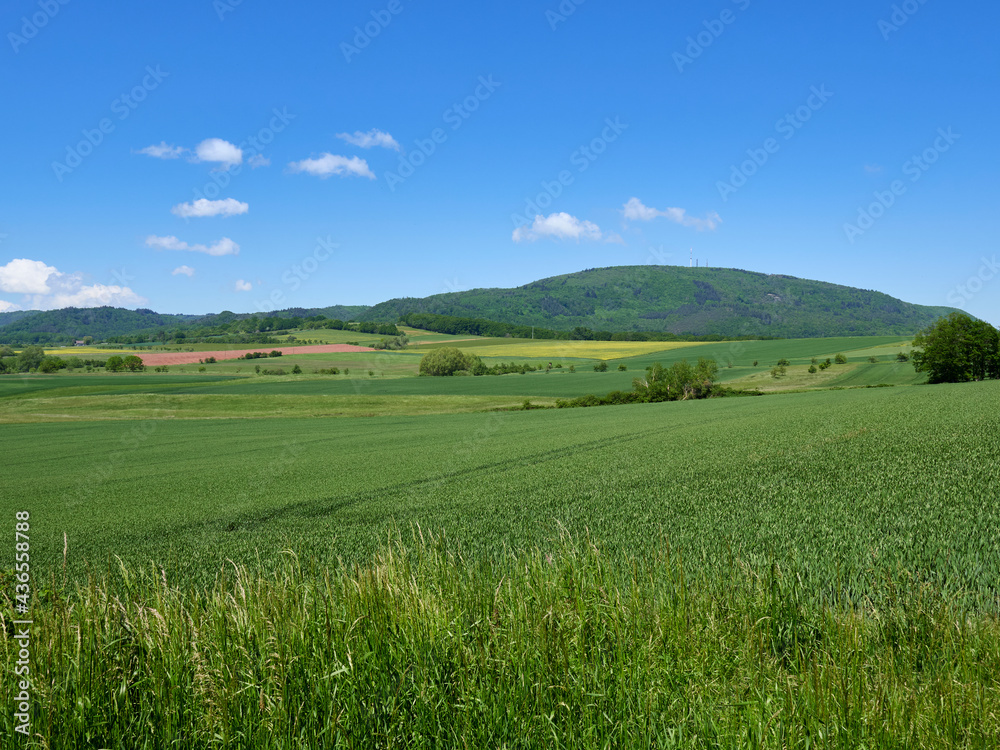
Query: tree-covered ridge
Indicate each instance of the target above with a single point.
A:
(679, 300)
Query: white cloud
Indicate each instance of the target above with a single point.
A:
(369, 139)
(204, 207)
(225, 246)
(47, 288)
(23, 276)
(258, 160)
(218, 150)
(243, 286)
(329, 164)
(162, 151)
(636, 211)
(186, 270)
(560, 226)
(94, 295)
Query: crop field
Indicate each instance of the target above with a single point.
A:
(555, 349)
(819, 479)
(221, 558)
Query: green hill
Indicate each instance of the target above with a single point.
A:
(680, 300)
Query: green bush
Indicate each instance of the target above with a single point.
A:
(447, 361)
(840, 359)
(601, 366)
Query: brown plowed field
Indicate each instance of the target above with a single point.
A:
(155, 359)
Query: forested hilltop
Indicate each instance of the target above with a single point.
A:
(680, 300)
(669, 300)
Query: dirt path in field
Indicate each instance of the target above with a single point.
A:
(155, 359)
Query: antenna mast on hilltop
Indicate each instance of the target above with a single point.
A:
(691, 262)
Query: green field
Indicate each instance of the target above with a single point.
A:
(301, 560)
(820, 478)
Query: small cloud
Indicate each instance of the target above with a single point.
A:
(560, 226)
(183, 270)
(23, 276)
(243, 286)
(873, 168)
(330, 164)
(370, 139)
(6, 306)
(162, 151)
(615, 239)
(258, 160)
(225, 246)
(204, 207)
(635, 211)
(217, 150)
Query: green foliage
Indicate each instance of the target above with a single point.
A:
(778, 371)
(680, 381)
(132, 363)
(51, 364)
(114, 364)
(447, 361)
(555, 646)
(957, 349)
(812, 369)
(671, 299)
(296, 370)
(601, 366)
(29, 358)
(622, 368)
(840, 359)
(783, 362)
(902, 357)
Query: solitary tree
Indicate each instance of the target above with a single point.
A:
(956, 349)
(132, 363)
(114, 364)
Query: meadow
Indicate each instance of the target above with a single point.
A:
(389, 560)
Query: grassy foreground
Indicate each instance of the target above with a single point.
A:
(421, 648)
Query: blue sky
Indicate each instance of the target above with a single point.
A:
(252, 155)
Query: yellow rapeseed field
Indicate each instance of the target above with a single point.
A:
(581, 349)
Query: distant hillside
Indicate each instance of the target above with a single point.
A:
(680, 300)
(59, 326)
(669, 299)
(65, 325)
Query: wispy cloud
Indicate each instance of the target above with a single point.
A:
(370, 139)
(635, 211)
(243, 286)
(331, 164)
(225, 246)
(204, 207)
(162, 151)
(183, 271)
(559, 226)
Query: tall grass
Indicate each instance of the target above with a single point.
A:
(421, 648)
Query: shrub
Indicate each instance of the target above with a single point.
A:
(601, 366)
(783, 363)
(902, 357)
(840, 359)
(778, 371)
(296, 370)
(812, 369)
(623, 368)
